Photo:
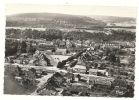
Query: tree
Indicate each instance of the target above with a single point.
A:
(73, 63)
(23, 47)
(107, 51)
(112, 57)
(30, 48)
(95, 65)
(47, 60)
(118, 60)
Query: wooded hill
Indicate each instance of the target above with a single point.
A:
(51, 20)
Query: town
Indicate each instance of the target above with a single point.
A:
(60, 50)
(73, 67)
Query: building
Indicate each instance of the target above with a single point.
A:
(60, 51)
(45, 46)
(68, 44)
(62, 44)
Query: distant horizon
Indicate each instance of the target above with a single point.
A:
(66, 14)
(12, 9)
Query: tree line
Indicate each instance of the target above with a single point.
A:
(50, 34)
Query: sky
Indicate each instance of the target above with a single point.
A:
(73, 10)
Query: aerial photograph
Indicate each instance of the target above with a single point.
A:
(66, 50)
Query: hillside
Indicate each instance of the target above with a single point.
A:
(113, 19)
(116, 21)
(51, 20)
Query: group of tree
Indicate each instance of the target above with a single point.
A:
(13, 46)
(50, 34)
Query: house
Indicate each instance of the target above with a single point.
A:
(96, 72)
(62, 44)
(44, 46)
(68, 44)
(77, 69)
(87, 42)
(60, 51)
